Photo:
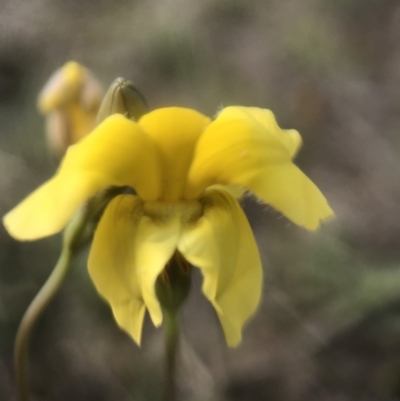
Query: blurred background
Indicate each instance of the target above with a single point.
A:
(328, 328)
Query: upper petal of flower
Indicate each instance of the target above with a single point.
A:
(245, 146)
(222, 245)
(63, 87)
(117, 152)
(129, 251)
(175, 132)
(289, 137)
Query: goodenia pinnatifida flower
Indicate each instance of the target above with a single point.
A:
(69, 100)
(182, 166)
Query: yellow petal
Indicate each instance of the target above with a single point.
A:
(291, 192)
(47, 210)
(116, 153)
(63, 87)
(129, 251)
(245, 148)
(290, 138)
(79, 122)
(70, 100)
(58, 132)
(222, 245)
(235, 190)
(92, 92)
(175, 132)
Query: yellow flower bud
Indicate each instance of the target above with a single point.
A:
(70, 100)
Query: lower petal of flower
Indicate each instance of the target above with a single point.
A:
(129, 251)
(222, 245)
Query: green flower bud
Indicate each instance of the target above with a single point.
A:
(173, 284)
(122, 97)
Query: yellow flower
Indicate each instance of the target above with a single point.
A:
(182, 167)
(70, 100)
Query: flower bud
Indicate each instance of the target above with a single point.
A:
(70, 100)
(124, 98)
(173, 284)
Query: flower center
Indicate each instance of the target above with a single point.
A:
(188, 210)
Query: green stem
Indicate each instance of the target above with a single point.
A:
(171, 327)
(77, 234)
(33, 313)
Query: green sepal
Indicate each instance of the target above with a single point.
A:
(173, 284)
(122, 97)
